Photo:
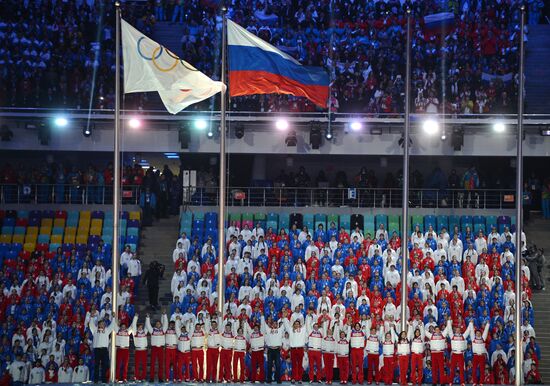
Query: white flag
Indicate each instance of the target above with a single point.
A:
(148, 66)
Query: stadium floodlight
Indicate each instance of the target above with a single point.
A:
(61, 121)
(430, 126)
(134, 123)
(356, 125)
(201, 124)
(87, 131)
(443, 135)
(210, 134)
(281, 124)
(328, 134)
(499, 127)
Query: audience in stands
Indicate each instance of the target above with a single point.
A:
(62, 55)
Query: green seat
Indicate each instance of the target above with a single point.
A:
(394, 224)
(368, 220)
(333, 218)
(309, 222)
(260, 217)
(248, 217)
(417, 220)
(198, 215)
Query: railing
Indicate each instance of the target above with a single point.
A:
(278, 196)
(65, 194)
(352, 197)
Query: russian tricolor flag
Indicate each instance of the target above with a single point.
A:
(257, 67)
(439, 22)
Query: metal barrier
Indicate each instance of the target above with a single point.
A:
(65, 194)
(352, 197)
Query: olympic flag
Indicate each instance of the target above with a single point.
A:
(148, 66)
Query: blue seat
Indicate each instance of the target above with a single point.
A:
(23, 214)
(58, 231)
(211, 216)
(503, 221)
(12, 255)
(7, 230)
(53, 247)
(17, 247)
(98, 214)
(43, 239)
(19, 230)
(72, 222)
(34, 221)
(67, 247)
(272, 217)
(490, 222)
(133, 223)
(109, 215)
(380, 219)
(368, 221)
(430, 220)
(133, 247)
(186, 216)
(442, 222)
(9, 222)
(453, 221)
(4, 248)
(273, 225)
(107, 239)
(212, 233)
(198, 215)
(132, 239)
(125, 215)
(345, 222)
(35, 214)
(130, 231)
(322, 220)
(284, 221)
(73, 214)
(309, 222)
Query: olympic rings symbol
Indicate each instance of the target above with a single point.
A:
(156, 54)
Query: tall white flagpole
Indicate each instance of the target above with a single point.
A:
(116, 190)
(223, 172)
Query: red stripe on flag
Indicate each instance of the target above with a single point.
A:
(261, 82)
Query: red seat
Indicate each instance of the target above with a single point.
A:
(49, 255)
(43, 247)
(22, 222)
(61, 214)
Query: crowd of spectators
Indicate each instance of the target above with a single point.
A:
(61, 54)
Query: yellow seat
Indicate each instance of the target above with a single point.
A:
(18, 239)
(84, 225)
(56, 239)
(45, 230)
(82, 239)
(31, 239)
(4, 238)
(69, 239)
(70, 231)
(32, 230)
(29, 247)
(59, 222)
(46, 222)
(85, 214)
(83, 231)
(95, 231)
(135, 215)
(96, 223)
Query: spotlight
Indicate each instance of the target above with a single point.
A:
(430, 126)
(315, 135)
(328, 133)
(87, 131)
(545, 131)
(239, 131)
(499, 127)
(210, 134)
(443, 135)
(6, 134)
(184, 137)
(281, 124)
(61, 122)
(201, 124)
(291, 139)
(134, 123)
(356, 126)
